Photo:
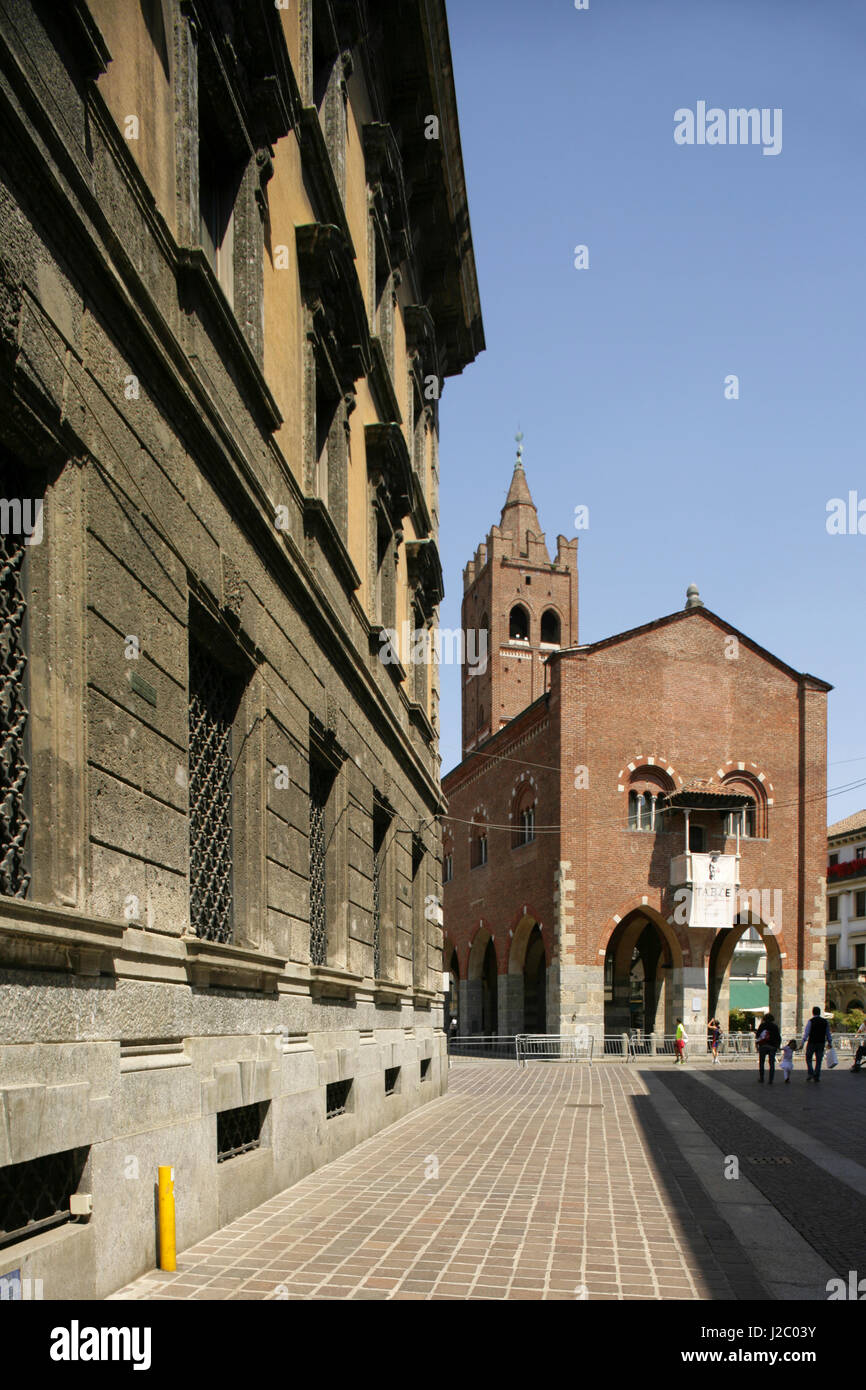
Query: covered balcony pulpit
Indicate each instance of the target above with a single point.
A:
(707, 887)
(706, 884)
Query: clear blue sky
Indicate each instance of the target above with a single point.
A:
(704, 261)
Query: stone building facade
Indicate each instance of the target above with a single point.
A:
(846, 913)
(625, 810)
(235, 269)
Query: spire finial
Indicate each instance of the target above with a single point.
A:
(693, 597)
(519, 439)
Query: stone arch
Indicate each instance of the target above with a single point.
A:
(451, 968)
(719, 953)
(482, 934)
(481, 1012)
(520, 933)
(648, 760)
(525, 983)
(642, 965)
(680, 955)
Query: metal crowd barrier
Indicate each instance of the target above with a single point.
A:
(624, 1046)
(482, 1045)
(552, 1047)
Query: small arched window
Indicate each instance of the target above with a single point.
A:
(523, 816)
(447, 859)
(478, 845)
(550, 628)
(518, 624)
(752, 819)
(647, 799)
(641, 811)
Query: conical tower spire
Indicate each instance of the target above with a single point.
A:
(519, 515)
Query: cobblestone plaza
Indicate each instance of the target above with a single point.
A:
(566, 1182)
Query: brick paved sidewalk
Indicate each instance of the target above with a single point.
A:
(803, 1146)
(536, 1183)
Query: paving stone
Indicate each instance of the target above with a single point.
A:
(535, 1199)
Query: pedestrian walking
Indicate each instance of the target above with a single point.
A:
(860, 1038)
(680, 1043)
(787, 1063)
(816, 1036)
(769, 1041)
(714, 1037)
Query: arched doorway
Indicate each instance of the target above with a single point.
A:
(535, 985)
(638, 968)
(489, 990)
(749, 930)
(481, 986)
(453, 1000)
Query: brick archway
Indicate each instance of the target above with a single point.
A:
(680, 954)
(719, 953)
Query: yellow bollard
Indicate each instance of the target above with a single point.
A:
(165, 1207)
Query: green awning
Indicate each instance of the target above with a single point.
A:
(750, 994)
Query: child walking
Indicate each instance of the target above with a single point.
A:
(788, 1059)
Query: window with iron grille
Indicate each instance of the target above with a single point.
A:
(239, 1131)
(337, 1098)
(35, 1195)
(392, 1078)
(381, 821)
(214, 694)
(14, 730)
(321, 782)
(425, 1068)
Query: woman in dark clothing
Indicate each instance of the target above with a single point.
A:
(769, 1040)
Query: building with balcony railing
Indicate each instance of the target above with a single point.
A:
(846, 913)
(625, 810)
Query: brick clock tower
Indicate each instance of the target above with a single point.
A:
(526, 603)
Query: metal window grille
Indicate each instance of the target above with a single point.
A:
(319, 789)
(239, 1131)
(377, 914)
(392, 1076)
(35, 1195)
(14, 766)
(337, 1098)
(213, 701)
(425, 1068)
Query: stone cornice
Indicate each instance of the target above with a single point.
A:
(390, 467)
(329, 284)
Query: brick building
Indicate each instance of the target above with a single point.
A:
(625, 810)
(235, 267)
